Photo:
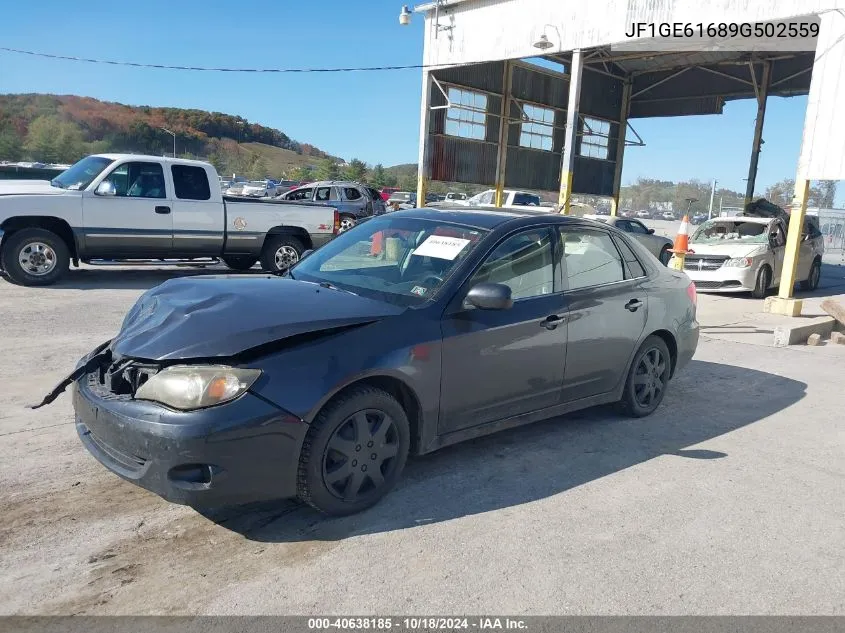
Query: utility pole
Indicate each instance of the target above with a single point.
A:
(173, 134)
(712, 195)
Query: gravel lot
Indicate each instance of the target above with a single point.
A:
(728, 501)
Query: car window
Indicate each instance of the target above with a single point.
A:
(138, 180)
(526, 199)
(589, 258)
(634, 267)
(301, 194)
(486, 198)
(523, 262)
(780, 238)
(399, 260)
(190, 182)
(351, 193)
(636, 227)
(322, 194)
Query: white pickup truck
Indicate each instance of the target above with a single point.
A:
(130, 209)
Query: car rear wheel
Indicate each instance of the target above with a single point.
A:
(665, 255)
(354, 452)
(647, 379)
(35, 257)
(281, 252)
(764, 280)
(812, 280)
(240, 262)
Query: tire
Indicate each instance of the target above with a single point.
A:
(35, 257)
(240, 262)
(761, 285)
(281, 252)
(357, 422)
(649, 372)
(812, 280)
(665, 255)
(347, 222)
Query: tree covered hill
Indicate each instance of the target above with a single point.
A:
(63, 128)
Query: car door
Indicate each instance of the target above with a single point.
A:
(502, 363)
(604, 289)
(198, 218)
(807, 250)
(134, 219)
(777, 242)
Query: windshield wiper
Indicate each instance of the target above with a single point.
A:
(331, 286)
(56, 183)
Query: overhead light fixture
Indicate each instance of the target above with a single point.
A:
(543, 43)
(405, 16)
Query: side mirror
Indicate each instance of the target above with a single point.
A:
(106, 188)
(651, 231)
(490, 297)
(306, 254)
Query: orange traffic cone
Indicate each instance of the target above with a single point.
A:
(681, 245)
(680, 249)
(377, 245)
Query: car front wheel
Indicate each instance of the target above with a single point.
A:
(812, 280)
(764, 280)
(354, 452)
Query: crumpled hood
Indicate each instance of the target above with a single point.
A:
(220, 316)
(28, 187)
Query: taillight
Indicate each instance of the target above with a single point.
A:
(692, 294)
(336, 222)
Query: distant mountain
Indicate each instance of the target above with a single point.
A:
(63, 128)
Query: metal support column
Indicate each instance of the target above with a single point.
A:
(504, 129)
(568, 162)
(762, 94)
(793, 238)
(620, 145)
(423, 166)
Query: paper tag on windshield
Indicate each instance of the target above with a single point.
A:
(441, 247)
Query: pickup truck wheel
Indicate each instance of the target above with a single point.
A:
(281, 252)
(240, 262)
(35, 257)
(346, 223)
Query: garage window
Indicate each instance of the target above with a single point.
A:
(595, 141)
(467, 116)
(537, 132)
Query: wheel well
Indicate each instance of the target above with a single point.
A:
(404, 396)
(294, 231)
(54, 225)
(671, 344)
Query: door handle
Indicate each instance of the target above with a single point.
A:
(633, 305)
(163, 210)
(552, 321)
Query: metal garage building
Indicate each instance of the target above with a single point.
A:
(490, 116)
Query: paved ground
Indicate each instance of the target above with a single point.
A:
(728, 501)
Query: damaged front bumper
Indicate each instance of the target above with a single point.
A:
(243, 451)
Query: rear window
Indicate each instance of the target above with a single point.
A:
(351, 193)
(190, 182)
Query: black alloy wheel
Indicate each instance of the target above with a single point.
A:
(647, 379)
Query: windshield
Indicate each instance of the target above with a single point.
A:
(400, 260)
(717, 231)
(526, 199)
(81, 174)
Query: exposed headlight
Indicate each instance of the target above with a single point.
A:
(187, 387)
(739, 262)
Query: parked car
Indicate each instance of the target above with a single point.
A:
(353, 200)
(201, 407)
(668, 215)
(510, 199)
(259, 189)
(643, 214)
(455, 197)
(386, 192)
(400, 198)
(745, 253)
(657, 245)
(627, 213)
(698, 218)
(283, 186)
(120, 207)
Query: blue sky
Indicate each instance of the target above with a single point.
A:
(373, 116)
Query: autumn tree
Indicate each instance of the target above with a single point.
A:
(355, 170)
(327, 169)
(11, 148)
(301, 172)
